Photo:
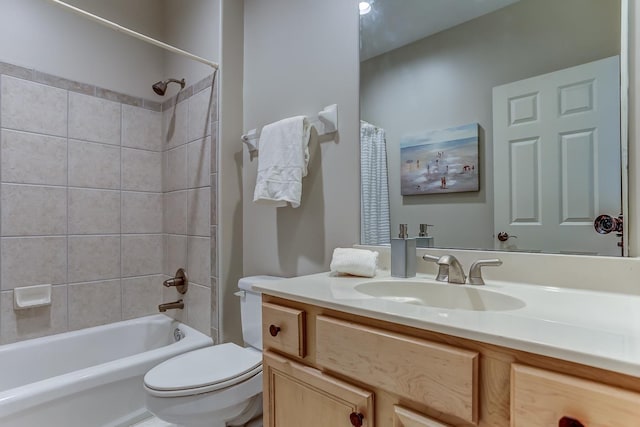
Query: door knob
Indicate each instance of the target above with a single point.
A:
(356, 419)
(569, 422)
(503, 236)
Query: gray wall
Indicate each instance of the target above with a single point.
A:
(300, 56)
(446, 80)
(40, 35)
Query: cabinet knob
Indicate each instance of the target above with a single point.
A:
(274, 330)
(356, 419)
(569, 422)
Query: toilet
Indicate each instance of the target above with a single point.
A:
(215, 386)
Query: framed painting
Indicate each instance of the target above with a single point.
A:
(440, 161)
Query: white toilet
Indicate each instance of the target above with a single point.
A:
(215, 386)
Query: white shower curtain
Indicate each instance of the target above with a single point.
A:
(374, 199)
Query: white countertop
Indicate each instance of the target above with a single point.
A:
(593, 328)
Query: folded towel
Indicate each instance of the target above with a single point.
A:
(357, 262)
(283, 160)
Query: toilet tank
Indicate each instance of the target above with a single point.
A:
(251, 309)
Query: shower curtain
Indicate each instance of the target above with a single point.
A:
(374, 198)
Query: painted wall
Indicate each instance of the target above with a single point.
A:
(445, 80)
(298, 58)
(193, 26)
(39, 35)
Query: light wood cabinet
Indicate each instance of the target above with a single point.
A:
(297, 395)
(329, 365)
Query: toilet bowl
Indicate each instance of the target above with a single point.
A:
(215, 386)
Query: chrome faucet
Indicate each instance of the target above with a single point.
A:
(475, 273)
(171, 305)
(449, 269)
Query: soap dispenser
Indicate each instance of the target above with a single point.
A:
(424, 240)
(403, 254)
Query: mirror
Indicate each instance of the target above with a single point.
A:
(500, 122)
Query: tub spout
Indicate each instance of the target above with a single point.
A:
(171, 305)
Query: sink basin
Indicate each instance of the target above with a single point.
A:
(450, 296)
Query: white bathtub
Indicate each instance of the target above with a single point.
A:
(87, 378)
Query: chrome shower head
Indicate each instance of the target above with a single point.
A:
(161, 87)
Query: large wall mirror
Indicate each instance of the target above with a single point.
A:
(498, 122)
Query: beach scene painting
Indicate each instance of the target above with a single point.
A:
(440, 161)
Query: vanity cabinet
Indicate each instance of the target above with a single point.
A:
(330, 368)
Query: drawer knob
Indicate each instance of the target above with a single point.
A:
(356, 419)
(274, 330)
(569, 422)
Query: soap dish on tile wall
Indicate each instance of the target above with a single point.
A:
(31, 296)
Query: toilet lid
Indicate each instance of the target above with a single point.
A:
(212, 368)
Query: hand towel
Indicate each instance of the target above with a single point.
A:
(282, 162)
(357, 262)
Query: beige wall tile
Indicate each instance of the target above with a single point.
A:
(142, 212)
(33, 261)
(174, 125)
(94, 211)
(175, 253)
(214, 199)
(33, 107)
(93, 258)
(141, 170)
(199, 115)
(214, 147)
(175, 212)
(30, 158)
(94, 119)
(198, 302)
(18, 325)
(94, 165)
(175, 173)
(141, 296)
(29, 210)
(198, 212)
(198, 262)
(142, 254)
(141, 128)
(198, 159)
(94, 304)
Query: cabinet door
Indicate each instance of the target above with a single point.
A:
(403, 417)
(296, 395)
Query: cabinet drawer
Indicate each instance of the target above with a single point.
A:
(283, 329)
(540, 398)
(403, 417)
(442, 377)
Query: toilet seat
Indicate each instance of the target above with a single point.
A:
(203, 371)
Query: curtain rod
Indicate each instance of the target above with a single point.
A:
(135, 34)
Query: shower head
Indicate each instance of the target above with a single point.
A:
(161, 87)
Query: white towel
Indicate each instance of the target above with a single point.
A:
(282, 162)
(357, 262)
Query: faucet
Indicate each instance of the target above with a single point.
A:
(449, 269)
(475, 272)
(171, 305)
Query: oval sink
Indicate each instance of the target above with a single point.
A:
(454, 297)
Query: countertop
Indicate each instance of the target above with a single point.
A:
(593, 328)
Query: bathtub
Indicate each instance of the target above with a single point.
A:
(88, 378)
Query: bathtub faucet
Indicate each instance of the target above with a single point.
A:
(171, 305)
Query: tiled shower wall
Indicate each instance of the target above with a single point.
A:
(83, 204)
(190, 198)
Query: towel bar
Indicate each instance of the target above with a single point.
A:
(326, 122)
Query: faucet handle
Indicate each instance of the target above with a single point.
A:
(443, 270)
(475, 272)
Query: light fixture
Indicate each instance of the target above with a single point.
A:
(365, 7)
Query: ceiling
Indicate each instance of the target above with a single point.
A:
(395, 23)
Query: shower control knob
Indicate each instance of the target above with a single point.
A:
(356, 419)
(274, 330)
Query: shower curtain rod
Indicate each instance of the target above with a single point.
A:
(135, 34)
